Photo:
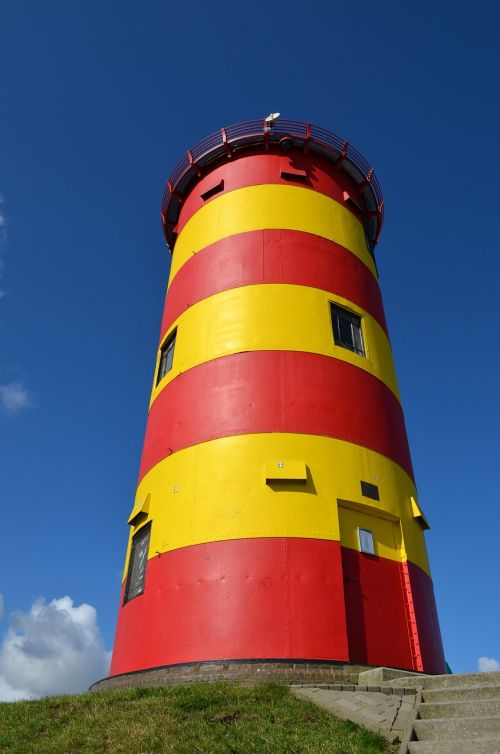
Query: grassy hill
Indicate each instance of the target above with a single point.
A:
(190, 719)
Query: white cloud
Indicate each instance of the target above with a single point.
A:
(55, 648)
(487, 664)
(14, 397)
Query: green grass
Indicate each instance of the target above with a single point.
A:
(190, 719)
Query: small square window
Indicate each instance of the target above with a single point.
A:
(366, 541)
(347, 330)
(136, 575)
(166, 356)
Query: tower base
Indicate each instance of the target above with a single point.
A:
(240, 672)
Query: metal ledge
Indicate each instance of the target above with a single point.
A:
(283, 134)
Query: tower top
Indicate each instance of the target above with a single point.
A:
(272, 136)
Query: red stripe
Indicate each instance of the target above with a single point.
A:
(255, 169)
(247, 598)
(275, 391)
(273, 598)
(375, 609)
(273, 256)
(376, 617)
(429, 633)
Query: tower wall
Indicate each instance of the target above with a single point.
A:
(270, 448)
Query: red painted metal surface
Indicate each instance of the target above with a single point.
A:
(272, 598)
(275, 391)
(273, 256)
(309, 171)
(376, 626)
(232, 141)
(378, 630)
(427, 622)
(236, 599)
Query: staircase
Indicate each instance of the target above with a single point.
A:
(458, 714)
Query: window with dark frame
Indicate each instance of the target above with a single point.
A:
(166, 356)
(347, 330)
(136, 574)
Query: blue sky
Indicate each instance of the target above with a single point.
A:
(98, 101)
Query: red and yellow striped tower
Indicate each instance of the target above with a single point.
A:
(276, 516)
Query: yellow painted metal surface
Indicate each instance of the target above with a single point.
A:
(418, 514)
(217, 491)
(141, 507)
(385, 533)
(272, 317)
(270, 206)
(286, 470)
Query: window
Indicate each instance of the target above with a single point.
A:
(136, 575)
(366, 541)
(370, 490)
(347, 330)
(166, 356)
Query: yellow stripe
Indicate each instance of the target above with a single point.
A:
(270, 206)
(386, 532)
(217, 491)
(268, 318)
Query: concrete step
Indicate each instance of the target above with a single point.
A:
(487, 746)
(448, 681)
(468, 708)
(468, 729)
(459, 693)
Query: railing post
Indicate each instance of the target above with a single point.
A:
(193, 163)
(307, 138)
(227, 145)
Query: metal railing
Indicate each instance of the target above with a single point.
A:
(247, 135)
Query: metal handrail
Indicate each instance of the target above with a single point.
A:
(247, 135)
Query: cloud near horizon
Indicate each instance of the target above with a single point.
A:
(487, 664)
(14, 397)
(55, 648)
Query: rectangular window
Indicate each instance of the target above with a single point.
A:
(366, 541)
(370, 490)
(136, 575)
(347, 330)
(166, 356)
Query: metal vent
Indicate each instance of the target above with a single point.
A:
(370, 490)
(213, 191)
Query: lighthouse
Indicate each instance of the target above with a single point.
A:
(276, 518)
